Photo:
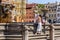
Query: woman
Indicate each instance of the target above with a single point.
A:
(39, 27)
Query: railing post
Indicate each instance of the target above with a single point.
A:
(51, 32)
(25, 34)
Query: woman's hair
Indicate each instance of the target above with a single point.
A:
(40, 16)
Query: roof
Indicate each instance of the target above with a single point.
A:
(30, 5)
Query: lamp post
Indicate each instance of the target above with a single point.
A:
(44, 16)
(45, 13)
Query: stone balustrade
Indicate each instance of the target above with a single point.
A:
(24, 31)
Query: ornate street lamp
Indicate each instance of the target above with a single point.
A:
(45, 10)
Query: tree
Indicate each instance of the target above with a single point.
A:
(40, 5)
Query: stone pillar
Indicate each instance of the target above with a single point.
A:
(25, 33)
(2, 32)
(51, 32)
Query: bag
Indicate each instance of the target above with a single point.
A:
(43, 21)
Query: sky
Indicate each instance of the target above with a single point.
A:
(42, 1)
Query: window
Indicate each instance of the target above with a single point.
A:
(59, 20)
(48, 6)
(54, 15)
(58, 10)
(30, 17)
(30, 13)
(49, 15)
(58, 15)
(26, 17)
(32, 21)
(29, 21)
(49, 9)
(54, 9)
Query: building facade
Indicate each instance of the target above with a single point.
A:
(58, 12)
(30, 12)
(54, 11)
